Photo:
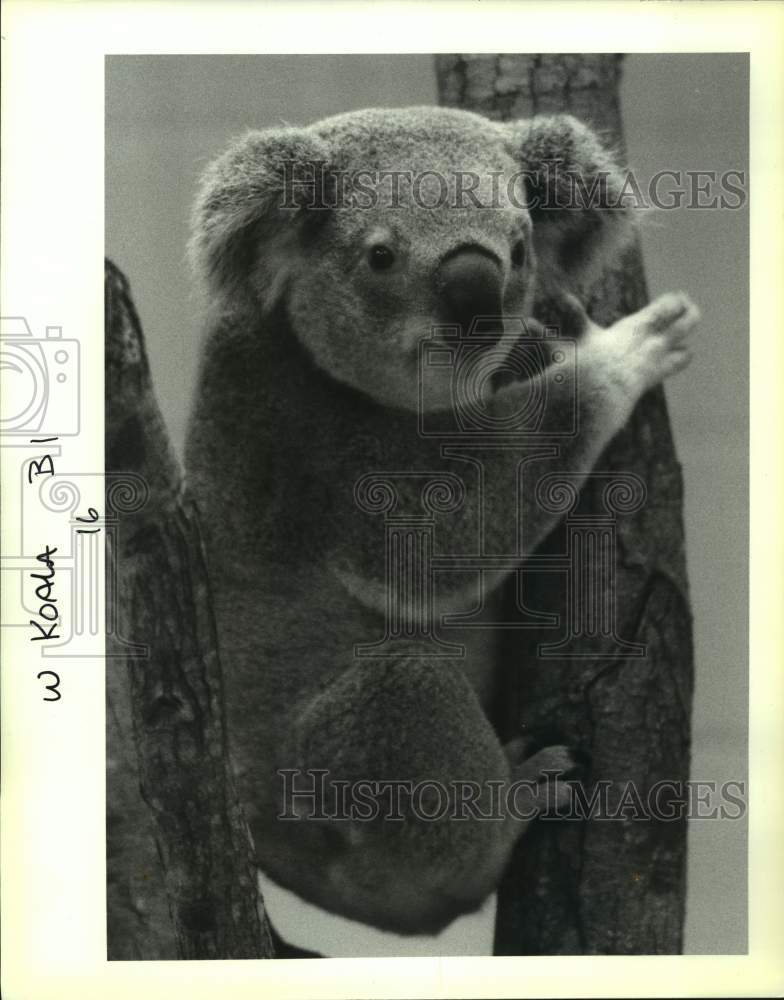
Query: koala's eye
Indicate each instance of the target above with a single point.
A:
(380, 257)
(518, 254)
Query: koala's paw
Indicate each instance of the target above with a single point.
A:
(650, 345)
(542, 778)
(664, 326)
(551, 761)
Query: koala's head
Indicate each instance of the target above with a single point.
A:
(373, 227)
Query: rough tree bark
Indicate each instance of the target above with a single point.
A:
(168, 781)
(599, 887)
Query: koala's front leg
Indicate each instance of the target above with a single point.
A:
(615, 367)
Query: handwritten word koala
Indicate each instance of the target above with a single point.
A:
(330, 255)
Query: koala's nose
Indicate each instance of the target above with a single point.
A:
(471, 284)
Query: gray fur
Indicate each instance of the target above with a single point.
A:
(309, 381)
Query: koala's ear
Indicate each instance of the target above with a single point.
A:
(573, 187)
(249, 211)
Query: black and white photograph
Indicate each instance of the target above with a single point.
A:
(391, 558)
(432, 370)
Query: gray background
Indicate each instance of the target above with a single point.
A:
(166, 116)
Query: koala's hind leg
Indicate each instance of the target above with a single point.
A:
(410, 753)
(615, 366)
(539, 781)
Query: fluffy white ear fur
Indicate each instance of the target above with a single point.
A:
(241, 230)
(245, 218)
(573, 185)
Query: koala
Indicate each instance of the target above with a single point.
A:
(323, 281)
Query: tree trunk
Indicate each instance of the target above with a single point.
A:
(168, 781)
(599, 886)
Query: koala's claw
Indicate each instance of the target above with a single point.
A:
(543, 778)
(665, 324)
(673, 316)
(643, 349)
(664, 311)
(557, 759)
